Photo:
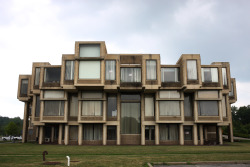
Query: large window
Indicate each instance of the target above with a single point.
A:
(151, 69)
(169, 108)
(37, 109)
(91, 108)
(112, 106)
(53, 108)
(52, 75)
(89, 70)
(90, 50)
(73, 105)
(149, 133)
(37, 76)
(24, 87)
(208, 108)
(170, 75)
(209, 74)
(224, 76)
(169, 94)
(191, 70)
(130, 114)
(69, 70)
(53, 94)
(169, 132)
(188, 105)
(92, 131)
(111, 132)
(110, 70)
(149, 106)
(130, 74)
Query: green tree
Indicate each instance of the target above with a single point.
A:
(12, 129)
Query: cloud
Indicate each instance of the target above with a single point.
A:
(243, 94)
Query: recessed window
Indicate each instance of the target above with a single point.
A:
(69, 70)
(111, 132)
(112, 106)
(110, 70)
(89, 50)
(191, 70)
(170, 75)
(37, 76)
(208, 108)
(130, 74)
(37, 109)
(151, 69)
(188, 133)
(224, 106)
(73, 133)
(92, 132)
(91, 108)
(169, 132)
(169, 94)
(188, 105)
(224, 76)
(149, 106)
(89, 70)
(52, 75)
(73, 105)
(209, 74)
(92, 95)
(24, 87)
(231, 93)
(53, 108)
(53, 94)
(149, 133)
(169, 108)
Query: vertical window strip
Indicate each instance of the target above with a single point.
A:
(37, 76)
(191, 70)
(151, 69)
(110, 70)
(224, 76)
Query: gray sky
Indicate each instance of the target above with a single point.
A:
(43, 30)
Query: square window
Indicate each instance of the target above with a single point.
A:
(89, 70)
(170, 75)
(89, 50)
(209, 74)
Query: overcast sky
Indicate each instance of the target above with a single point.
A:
(43, 30)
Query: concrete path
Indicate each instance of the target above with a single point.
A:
(236, 138)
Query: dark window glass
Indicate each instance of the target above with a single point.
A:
(37, 76)
(149, 132)
(169, 132)
(92, 132)
(53, 108)
(24, 87)
(188, 133)
(188, 105)
(52, 75)
(208, 108)
(130, 97)
(111, 132)
(112, 106)
(37, 112)
(73, 132)
(170, 75)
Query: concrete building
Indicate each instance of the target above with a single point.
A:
(96, 98)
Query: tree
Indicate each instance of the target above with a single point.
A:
(12, 129)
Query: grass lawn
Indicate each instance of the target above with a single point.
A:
(30, 154)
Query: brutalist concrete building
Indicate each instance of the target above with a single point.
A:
(96, 98)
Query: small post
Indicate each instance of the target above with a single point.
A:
(68, 160)
(44, 153)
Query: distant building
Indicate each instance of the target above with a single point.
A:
(96, 98)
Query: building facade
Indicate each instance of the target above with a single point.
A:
(96, 98)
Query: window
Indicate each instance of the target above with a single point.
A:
(169, 132)
(37, 76)
(110, 70)
(188, 133)
(24, 87)
(91, 95)
(191, 70)
(73, 132)
(209, 74)
(53, 94)
(90, 50)
(112, 106)
(210, 94)
(169, 108)
(130, 74)
(69, 70)
(37, 109)
(53, 108)
(188, 105)
(111, 132)
(170, 75)
(73, 105)
(52, 75)
(151, 69)
(91, 108)
(208, 108)
(231, 93)
(149, 133)
(224, 76)
(224, 106)
(169, 94)
(92, 131)
(149, 106)
(130, 114)
(89, 70)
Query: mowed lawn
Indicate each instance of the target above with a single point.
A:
(30, 154)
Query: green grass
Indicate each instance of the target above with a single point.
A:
(30, 154)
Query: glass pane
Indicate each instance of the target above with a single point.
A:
(208, 94)
(73, 105)
(208, 108)
(191, 70)
(92, 108)
(53, 94)
(24, 87)
(130, 97)
(224, 76)
(112, 106)
(110, 70)
(130, 118)
(169, 94)
(90, 50)
(169, 132)
(92, 95)
(209, 74)
(188, 133)
(37, 76)
(224, 106)
(111, 132)
(169, 108)
(149, 132)
(53, 108)
(231, 93)
(130, 74)
(37, 112)
(170, 75)
(188, 105)
(73, 132)
(149, 106)
(151, 69)
(69, 70)
(92, 131)
(89, 70)
(52, 75)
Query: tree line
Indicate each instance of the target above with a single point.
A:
(11, 126)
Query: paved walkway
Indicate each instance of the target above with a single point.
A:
(236, 138)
